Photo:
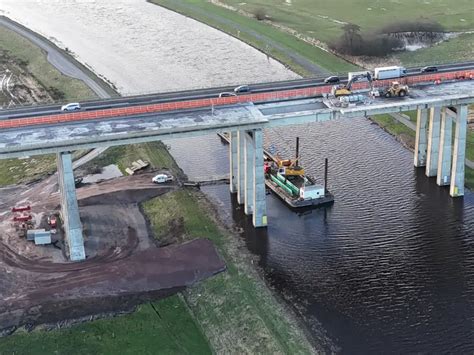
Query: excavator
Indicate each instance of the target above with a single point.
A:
(287, 167)
(345, 89)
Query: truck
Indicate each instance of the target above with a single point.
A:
(393, 72)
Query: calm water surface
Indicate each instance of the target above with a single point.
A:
(388, 268)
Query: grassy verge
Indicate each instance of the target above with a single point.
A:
(407, 137)
(257, 34)
(16, 171)
(38, 66)
(164, 327)
(235, 309)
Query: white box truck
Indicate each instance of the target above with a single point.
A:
(389, 73)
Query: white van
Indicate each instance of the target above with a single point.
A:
(389, 73)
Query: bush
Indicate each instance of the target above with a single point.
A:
(260, 14)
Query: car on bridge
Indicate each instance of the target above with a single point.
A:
(332, 80)
(73, 106)
(242, 88)
(429, 69)
(227, 94)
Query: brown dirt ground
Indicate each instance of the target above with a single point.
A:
(124, 267)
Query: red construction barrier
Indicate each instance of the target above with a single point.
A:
(21, 208)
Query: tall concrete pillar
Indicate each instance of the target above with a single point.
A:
(459, 153)
(241, 167)
(433, 142)
(69, 208)
(443, 177)
(233, 161)
(259, 198)
(249, 180)
(420, 140)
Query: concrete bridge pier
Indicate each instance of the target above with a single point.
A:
(459, 153)
(443, 176)
(233, 161)
(433, 141)
(246, 163)
(69, 208)
(421, 138)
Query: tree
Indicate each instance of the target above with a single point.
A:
(352, 34)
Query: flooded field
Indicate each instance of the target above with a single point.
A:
(141, 47)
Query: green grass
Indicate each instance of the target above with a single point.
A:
(394, 127)
(23, 50)
(163, 327)
(123, 156)
(316, 17)
(215, 16)
(236, 311)
(458, 49)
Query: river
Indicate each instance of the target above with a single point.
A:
(389, 268)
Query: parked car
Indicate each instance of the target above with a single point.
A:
(429, 69)
(227, 94)
(73, 106)
(332, 80)
(161, 178)
(242, 88)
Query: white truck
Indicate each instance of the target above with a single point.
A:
(393, 72)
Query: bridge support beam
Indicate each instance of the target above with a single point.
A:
(420, 140)
(459, 153)
(249, 178)
(241, 167)
(433, 142)
(443, 177)
(233, 161)
(259, 198)
(69, 208)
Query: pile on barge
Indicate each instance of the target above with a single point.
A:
(288, 181)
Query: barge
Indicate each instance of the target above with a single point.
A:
(289, 182)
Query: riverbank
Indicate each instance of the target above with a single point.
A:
(406, 136)
(301, 57)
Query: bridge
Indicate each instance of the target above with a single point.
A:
(440, 100)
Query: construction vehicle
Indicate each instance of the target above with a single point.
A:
(342, 90)
(290, 167)
(395, 90)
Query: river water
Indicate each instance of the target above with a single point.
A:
(389, 268)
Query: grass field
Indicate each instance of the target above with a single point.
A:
(164, 327)
(323, 20)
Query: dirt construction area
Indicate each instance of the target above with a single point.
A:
(124, 265)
